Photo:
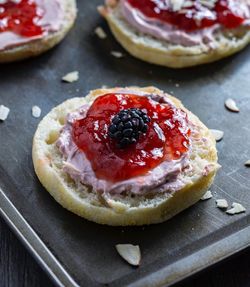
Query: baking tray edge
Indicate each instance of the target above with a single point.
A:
(197, 261)
(34, 244)
(166, 276)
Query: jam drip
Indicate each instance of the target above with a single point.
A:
(166, 138)
(21, 18)
(228, 13)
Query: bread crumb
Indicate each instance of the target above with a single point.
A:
(177, 85)
(117, 54)
(130, 253)
(236, 208)
(36, 112)
(207, 195)
(71, 77)
(100, 33)
(222, 203)
(4, 112)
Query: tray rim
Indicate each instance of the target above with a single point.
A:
(33, 243)
(236, 242)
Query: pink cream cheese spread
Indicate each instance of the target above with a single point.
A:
(18, 28)
(162, 178)
(171, 33)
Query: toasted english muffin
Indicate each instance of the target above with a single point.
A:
(161, 52)
(36, 47)
(121, 209)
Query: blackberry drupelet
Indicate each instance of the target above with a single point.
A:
(127, 126)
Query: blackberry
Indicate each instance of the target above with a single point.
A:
(127, 126)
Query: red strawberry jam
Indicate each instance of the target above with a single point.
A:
(167, 137)
(21, 17)
(225, 12)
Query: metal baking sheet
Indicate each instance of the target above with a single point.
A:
(77, 252)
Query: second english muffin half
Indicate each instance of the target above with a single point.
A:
(179, 34)
(39, 26)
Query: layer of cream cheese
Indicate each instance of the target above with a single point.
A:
(51, 20)
(171, 33)
(164, 177)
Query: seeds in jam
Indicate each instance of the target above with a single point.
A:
(21, 18)
(195, 14)
(166, 138)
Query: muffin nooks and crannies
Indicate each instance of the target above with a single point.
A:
(31, 27)
(179, 33)
(124, 156)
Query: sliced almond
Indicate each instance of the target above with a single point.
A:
(71, 77)
(100, 33)
(130, 253)
(116, 54)
(176, 4)
(208, 3)
(218, 135)
(222, 203)
(36, 112)
(231, 105)
(187, 4)
(247, 163)
(4, 112)
(207, 195)
(236, 208)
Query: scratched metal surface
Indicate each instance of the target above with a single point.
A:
(86, 250)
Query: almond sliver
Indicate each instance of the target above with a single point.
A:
(130, 253)
(231, 105)
(236, 208)
(218, 135)
(207, 195)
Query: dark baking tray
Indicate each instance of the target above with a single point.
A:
(77, 252)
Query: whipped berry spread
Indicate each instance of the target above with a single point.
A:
(22, 21)
(126, 142)
(185, 22)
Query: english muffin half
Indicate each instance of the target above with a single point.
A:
(79, 159)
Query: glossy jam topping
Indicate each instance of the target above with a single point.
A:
(196, 16)
(167, 137)
(21, 17)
